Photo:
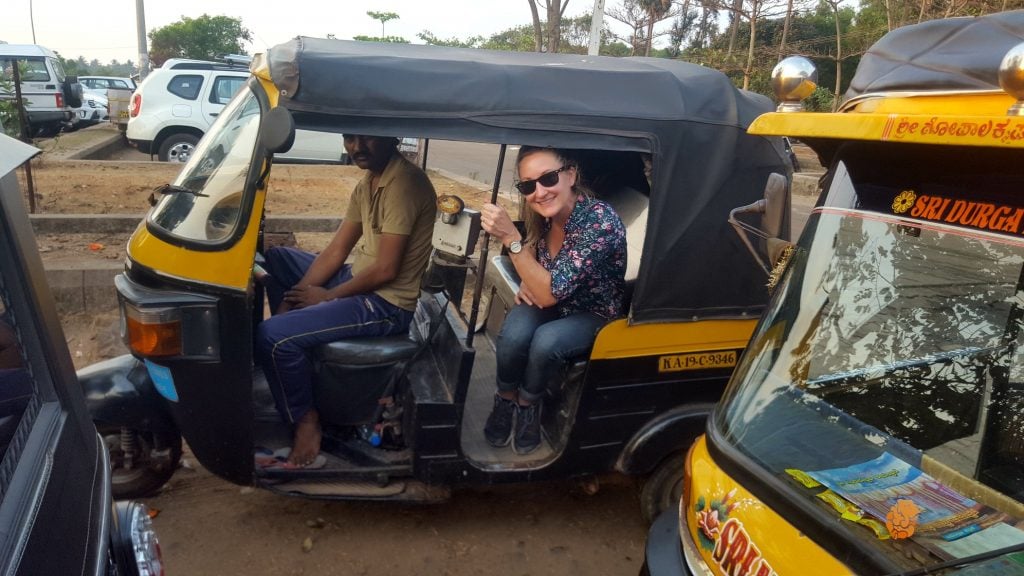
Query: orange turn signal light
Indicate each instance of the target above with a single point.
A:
(153, 332)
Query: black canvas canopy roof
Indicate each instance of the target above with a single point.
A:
(932, 55)
(691, 119)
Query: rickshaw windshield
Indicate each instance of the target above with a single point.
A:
(887, 378)
(204, 201)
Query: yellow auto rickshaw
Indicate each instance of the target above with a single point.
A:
(875, 424)
(664, 142)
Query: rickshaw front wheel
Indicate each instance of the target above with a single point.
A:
(663, 488)
(141, 461)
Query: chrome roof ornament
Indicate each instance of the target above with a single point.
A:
(793, 79)
(1011, 78)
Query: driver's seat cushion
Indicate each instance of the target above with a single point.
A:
(368, 351)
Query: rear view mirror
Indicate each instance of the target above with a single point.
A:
(773, 209)
(278, 130)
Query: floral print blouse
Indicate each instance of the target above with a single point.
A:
(587, 274)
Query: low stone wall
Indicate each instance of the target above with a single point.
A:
(89, 286)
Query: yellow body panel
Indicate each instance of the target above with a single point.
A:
(748, 529)
(620, 340)
(231, 268)
(953, 119)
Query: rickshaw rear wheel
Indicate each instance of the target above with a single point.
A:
(141, 461)
(663, 488)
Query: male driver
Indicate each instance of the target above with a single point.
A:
(319, 298)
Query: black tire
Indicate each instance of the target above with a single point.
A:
(72, 94)
(663, 488)
(147, 475)
(178, 147)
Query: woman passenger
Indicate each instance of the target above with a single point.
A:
(572, 263)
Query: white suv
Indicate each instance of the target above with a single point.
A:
(176, 104)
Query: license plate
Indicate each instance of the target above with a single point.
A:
(697, 361)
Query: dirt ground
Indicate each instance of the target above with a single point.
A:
(209, 526)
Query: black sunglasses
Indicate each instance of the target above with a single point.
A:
(547, 179)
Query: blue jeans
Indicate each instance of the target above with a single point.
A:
(535, 343)
(283, 342)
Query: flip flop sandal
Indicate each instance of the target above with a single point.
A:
(278, 460)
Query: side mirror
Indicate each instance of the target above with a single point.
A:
(773, 209)
(278, 130)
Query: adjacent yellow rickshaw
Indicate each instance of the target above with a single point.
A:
(875, 424)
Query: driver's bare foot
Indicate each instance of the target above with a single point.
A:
(306, 444)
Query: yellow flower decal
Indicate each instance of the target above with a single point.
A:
(904, 201)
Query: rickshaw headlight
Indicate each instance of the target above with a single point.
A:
(137, 539)
(187, 331)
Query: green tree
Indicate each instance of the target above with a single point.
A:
(203, 38)
(384, 17)
(391, 39)
(472, 42)
(552, 25)
(9, 114)
(574, 35)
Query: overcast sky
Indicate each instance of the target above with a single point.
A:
(106, 29)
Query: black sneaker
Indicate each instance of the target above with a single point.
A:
(498, 430)
(527, 437)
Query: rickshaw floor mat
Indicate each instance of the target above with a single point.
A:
(479, 401)
(396, 490)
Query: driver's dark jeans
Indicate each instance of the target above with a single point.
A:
(284, 342)
(535, 343)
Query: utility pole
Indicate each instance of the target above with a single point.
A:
(32, 21)
(140, 25)
(596, 23)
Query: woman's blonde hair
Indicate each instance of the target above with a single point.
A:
(535, 222)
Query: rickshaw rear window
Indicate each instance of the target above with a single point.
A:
(204, 202)
(887, 377)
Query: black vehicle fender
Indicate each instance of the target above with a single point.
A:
(119, 391)
(668, 433)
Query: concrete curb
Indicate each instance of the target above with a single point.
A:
(806, 183)
(101, 147)
(89, 286)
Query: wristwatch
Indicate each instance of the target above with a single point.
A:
(515, 247)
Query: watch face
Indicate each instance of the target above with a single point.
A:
(515, 247)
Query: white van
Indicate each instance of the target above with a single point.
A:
(49, 94)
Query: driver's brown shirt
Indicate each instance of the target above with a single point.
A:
(403, 203)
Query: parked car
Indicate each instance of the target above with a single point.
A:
(94, 109)
(57, 514)
(176, 104)
(49, 94)
(102, 83)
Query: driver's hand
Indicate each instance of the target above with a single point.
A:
(304, 296)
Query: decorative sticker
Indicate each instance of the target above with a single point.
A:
(162, 380)
(901, 520)
(1004, 131)
(904, 201)
(979, 215)
(728, 541)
